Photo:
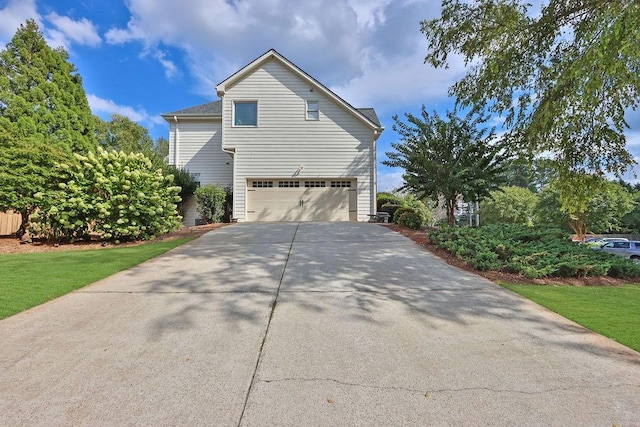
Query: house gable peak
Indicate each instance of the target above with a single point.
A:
(366, 115)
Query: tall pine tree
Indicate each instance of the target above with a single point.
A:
(44, 119)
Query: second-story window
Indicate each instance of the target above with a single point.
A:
(313, 113)
(245, 113)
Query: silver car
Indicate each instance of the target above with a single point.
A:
(629, 250)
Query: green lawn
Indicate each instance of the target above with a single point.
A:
(27, 280)
(611, 311)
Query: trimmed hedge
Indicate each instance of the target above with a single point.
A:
(532, 252)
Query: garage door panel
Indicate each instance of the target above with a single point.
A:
(301, 203)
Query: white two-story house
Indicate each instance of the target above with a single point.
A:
(290, 148)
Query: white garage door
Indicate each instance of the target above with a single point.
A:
(301, 200)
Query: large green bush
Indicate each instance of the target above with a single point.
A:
(410, 219)
(400, 211)
(117, 195)
(532, 252)
(211, 202)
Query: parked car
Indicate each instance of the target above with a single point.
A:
(626, 249)
(599, 241)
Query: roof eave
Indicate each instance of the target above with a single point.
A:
(172, 117)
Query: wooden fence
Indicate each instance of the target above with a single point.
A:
(9, 222)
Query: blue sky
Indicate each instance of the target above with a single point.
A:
(142, 58)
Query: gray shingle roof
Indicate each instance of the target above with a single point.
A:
(370, 114)
(209, 109)
(214, 109)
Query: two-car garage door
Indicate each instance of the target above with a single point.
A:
(301, 200)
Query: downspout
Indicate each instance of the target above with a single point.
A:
(374, 187)
(175, 146)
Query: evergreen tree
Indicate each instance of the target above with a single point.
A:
(41, 93)
(44, 119)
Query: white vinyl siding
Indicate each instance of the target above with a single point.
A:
(199, 150)
(286, 144)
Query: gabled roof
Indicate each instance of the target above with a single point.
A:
(367, 115)
(210, 109)
(370, 114)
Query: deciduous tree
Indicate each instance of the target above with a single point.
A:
(509, 205)
(562, 76)
(586, 203)
(446, 158)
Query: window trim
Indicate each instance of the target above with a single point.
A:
(307, 110)
(244, 101)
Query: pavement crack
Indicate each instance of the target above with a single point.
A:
(427, 392)
(530, 393)
(345, 383)
(266, 332)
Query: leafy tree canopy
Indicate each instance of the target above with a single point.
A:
(27, 167)
(562, 76)
(586, 203)
(509, 205)
(446, 158)
(532, 175)
(123, 134)
(41, 93)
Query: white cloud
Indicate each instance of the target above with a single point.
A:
(170, 68)
(67, 31)
(369, 13)
(16, 12)
(407, 81)
(108, 107)
(333, 42)
(389, 180)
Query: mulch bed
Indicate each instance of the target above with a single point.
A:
(421, 238)
(11, 244)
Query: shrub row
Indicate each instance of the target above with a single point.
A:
(532, 252)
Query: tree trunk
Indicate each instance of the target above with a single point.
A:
(579, 226)
(451, 212)
(24, 225)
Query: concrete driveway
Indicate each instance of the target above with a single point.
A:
(307, 324)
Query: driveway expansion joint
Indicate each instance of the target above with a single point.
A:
(266, 332)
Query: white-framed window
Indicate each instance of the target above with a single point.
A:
(341, 184)
(262, 184)
(245, 113)
(315, 184)
(313, 111)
